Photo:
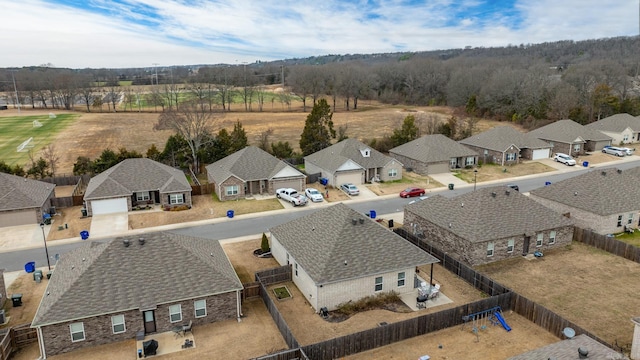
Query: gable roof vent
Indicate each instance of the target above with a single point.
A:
(141, 241)
(125, 242)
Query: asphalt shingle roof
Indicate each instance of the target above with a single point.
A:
(500, 138)
(479, 216)
(612, 193)
(104, 278)
(250, 163)
(433, 148)
(567, 131)
(323, 241)
(336, 155)
(21, 193)
(616, 123)
(133, 175)
(568, 350)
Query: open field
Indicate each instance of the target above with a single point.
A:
(94, 132)
(14, 130)
(593, 288)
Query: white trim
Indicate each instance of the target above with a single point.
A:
(203, 307)
(375, 287)
(176, 199)
(490, 248)
(175, 313)
(114, 324)
(84, 337)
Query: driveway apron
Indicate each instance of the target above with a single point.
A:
(109, 224)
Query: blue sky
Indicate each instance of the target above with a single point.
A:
(139, 33)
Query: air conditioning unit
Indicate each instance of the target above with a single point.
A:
(3, 319)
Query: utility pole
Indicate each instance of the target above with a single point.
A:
(282, 68)
(156, 66)
(15, 89)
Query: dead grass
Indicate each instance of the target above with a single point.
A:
(31, 294)
(488, 172)
(409, 179)
(590, 287)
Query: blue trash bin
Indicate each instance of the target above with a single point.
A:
(546, 183)
(585, 163)
(229, 214)
(84, 234)
(30, 266)
(372, 214)
(324, 181)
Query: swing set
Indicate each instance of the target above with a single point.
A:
(480, 320)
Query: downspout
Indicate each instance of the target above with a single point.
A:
(502, 158)
(239, 304)
(43, 353)
(431, 276)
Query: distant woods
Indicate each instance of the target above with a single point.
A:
(526, 84)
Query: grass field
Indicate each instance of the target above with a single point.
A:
(14, 130)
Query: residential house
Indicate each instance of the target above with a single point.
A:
(487, 225)
(252, 171)
(434, 154)
(351, 161)
(569, 137)
(134, 182)
(24, 201)
(103, 292)
(603, 200)
(622, 128)
(504, 145)
(338, 255)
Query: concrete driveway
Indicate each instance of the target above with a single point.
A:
(22, 237)
(109, 225)
(448, 178)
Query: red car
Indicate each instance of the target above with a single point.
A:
(410, 192)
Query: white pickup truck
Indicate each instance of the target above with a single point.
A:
(292, 196)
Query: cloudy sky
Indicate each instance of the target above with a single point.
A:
(140, 33)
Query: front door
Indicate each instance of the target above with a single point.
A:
(525, 247)
(149, 321)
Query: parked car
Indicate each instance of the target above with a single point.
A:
(612, 150)
(418, 199)
(313, 194)
(565, 159)
(292, 196)
(411, 192)
(628, 151)
(350, 189)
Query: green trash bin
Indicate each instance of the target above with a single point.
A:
(36, 274)
(450, 186)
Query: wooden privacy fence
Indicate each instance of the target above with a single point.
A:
(606, 243)
(203, 189)
(76, 199)
(17, 337)
(391, 333)
(274, 276)
(293, 354)
(284, 329)
(250, 290)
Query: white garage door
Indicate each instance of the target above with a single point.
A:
(110, 206)
(350, 177)
(15, 218)
(540, 154)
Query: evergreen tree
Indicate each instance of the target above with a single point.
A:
(238, 138)
(318, 129)
(408, 132)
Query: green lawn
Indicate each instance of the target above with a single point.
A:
(14, 130)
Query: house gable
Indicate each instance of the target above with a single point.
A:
(349, 165)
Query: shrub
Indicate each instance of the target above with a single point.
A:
(368, 303)
(264, 246)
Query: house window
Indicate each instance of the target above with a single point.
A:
(453, 162)
(552, 237)
(630, 219)
(511, 156)
(625, 137)
(176, 199)
(577, 147)
(393, 173)
(117, 324)
(77, 331)
(231, 190)
(378, 283)
(142, 196)
(489, 249)
(200, 307)
(287, 258)
(539, 239)
(619, 220)
(470, 161)
(510, 245)
(401, 277)
(175, 313)
(296, 267)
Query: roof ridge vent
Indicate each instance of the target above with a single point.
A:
(361, 220)
(493, 194)
(619, 171)
(507, 192)
(126, 242)
(604, 173)
(354, 221)
(141, 241)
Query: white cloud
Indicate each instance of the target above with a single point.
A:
(35, 31)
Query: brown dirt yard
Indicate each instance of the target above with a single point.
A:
(595, 289)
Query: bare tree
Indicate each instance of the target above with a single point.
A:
(263, 139)
(51, 157)
(193, 123)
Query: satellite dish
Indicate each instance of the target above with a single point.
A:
(569, 332)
